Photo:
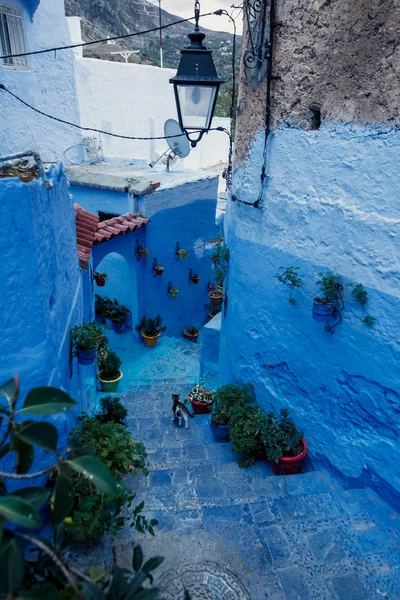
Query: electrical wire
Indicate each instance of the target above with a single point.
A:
(108, 39)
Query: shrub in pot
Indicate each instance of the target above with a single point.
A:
(85, 339)
(284, 445)
(143, 252)
(191, 333)
(195, 278)
(119, 317)
(324, 306)
(246, 428)
(100, 278)
(112, 409)
(150, 329)
(159, 270)
(201, 399)
(226, 398)
(109, 373)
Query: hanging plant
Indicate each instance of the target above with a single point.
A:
(220, 261)
(100, 278)
(290, 276)
(141, 252)
(158, 270)
(171, 290)
(193, 277)
(179, 253)
(325, 305)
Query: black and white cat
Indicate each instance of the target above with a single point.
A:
(180, 411)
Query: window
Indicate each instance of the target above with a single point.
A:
(12, 37)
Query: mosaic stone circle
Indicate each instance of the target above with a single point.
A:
(203, 581)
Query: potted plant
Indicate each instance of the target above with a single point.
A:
(172, 291)
(159, 270)
(85, 339)
(99, 307)
(246, 427)
(226, 398)
(191, 333)
(182, 254)
(220, 262)
(109, 374)
(285, 446)
(216, 298)
(194, 278)
(324, 306)
(150, 329)
(119, 317)
(201, 399)
(100, 278)
(141, 252)
(112, 409)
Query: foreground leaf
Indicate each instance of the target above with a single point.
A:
(11, 567)
(63, 500)
(40, 434)
(45, 592)
(25, 453)
(96, 573)
(137, 558)
(16, 510)
(46, 401)
(10, 390)
(147, 594)
(92, 592)
(152, 564)
(95, 471)
(36, 496)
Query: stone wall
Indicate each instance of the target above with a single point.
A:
(329, 202)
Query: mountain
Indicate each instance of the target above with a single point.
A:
(103, 18)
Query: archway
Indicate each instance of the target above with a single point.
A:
(120, 283)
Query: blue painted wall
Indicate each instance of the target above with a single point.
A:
(184, 213)
(330, 202)
(41, 295)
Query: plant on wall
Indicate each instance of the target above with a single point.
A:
(43, 571)
(328, 284)
(360, 295)
(329, 304)
(85, 340)
(290, 276)
(100, 278)
(179, 253)
(141, 252)
(158, 270)
(171, 290)
(220, 261)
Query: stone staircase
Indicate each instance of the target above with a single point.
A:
(229, 533)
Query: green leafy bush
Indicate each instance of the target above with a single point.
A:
(328, 283)
(220, 260)
(86, 337)
(246, 427)
(359, 293)
(113, 445)
(109, 364)
(281, 436)
(112, 409)
(228, 396)
(290, 276)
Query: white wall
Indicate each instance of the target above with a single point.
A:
(48, 84)
(137, 100)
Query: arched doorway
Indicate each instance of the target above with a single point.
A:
(120, 283)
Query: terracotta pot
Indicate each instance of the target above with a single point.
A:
(201, 408)
(110, 386)
(143, 255)
(159, 270)
(192, 337)
(195, 280)
(100, 281)
(290, 465)
(216, 298)
(149, 340)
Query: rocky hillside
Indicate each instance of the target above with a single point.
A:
(102, 18)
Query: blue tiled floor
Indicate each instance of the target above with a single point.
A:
(286, 538)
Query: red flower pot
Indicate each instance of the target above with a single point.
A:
(159, 270)
(195, 280)
(290, 465)
(100, 281)
(143, 255)
(201, 408)
(193, 337)
(216, 298)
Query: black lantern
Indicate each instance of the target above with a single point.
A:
(196, 86)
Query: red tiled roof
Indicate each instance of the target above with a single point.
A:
(86, 225)
(106, 230)
(89, 231)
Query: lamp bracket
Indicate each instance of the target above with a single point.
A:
(257, 56)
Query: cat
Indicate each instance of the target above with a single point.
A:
(180, 411)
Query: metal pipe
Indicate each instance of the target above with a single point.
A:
(36, 156)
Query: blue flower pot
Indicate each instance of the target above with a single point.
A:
(108, 323)
(86, 359)
(118, 328)
(322, 312)
(220, 432)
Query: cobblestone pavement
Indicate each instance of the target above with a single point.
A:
(229, 533)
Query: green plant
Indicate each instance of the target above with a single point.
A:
(112, 409)
(112, 444)
(151, 327)
(220, 260)
(228, 396)
(368, 320)
(103, 306)
(86, 337)
(290, 276)
(359, 293)
(328, 283)
(192, 330)
(281, 436)
(98, 275)
(109, 364)
(246, 426)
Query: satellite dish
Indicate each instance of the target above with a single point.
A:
(180, 144)
(177, 141)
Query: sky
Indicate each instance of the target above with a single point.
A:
(185, 8)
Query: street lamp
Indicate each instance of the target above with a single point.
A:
(196, 86)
